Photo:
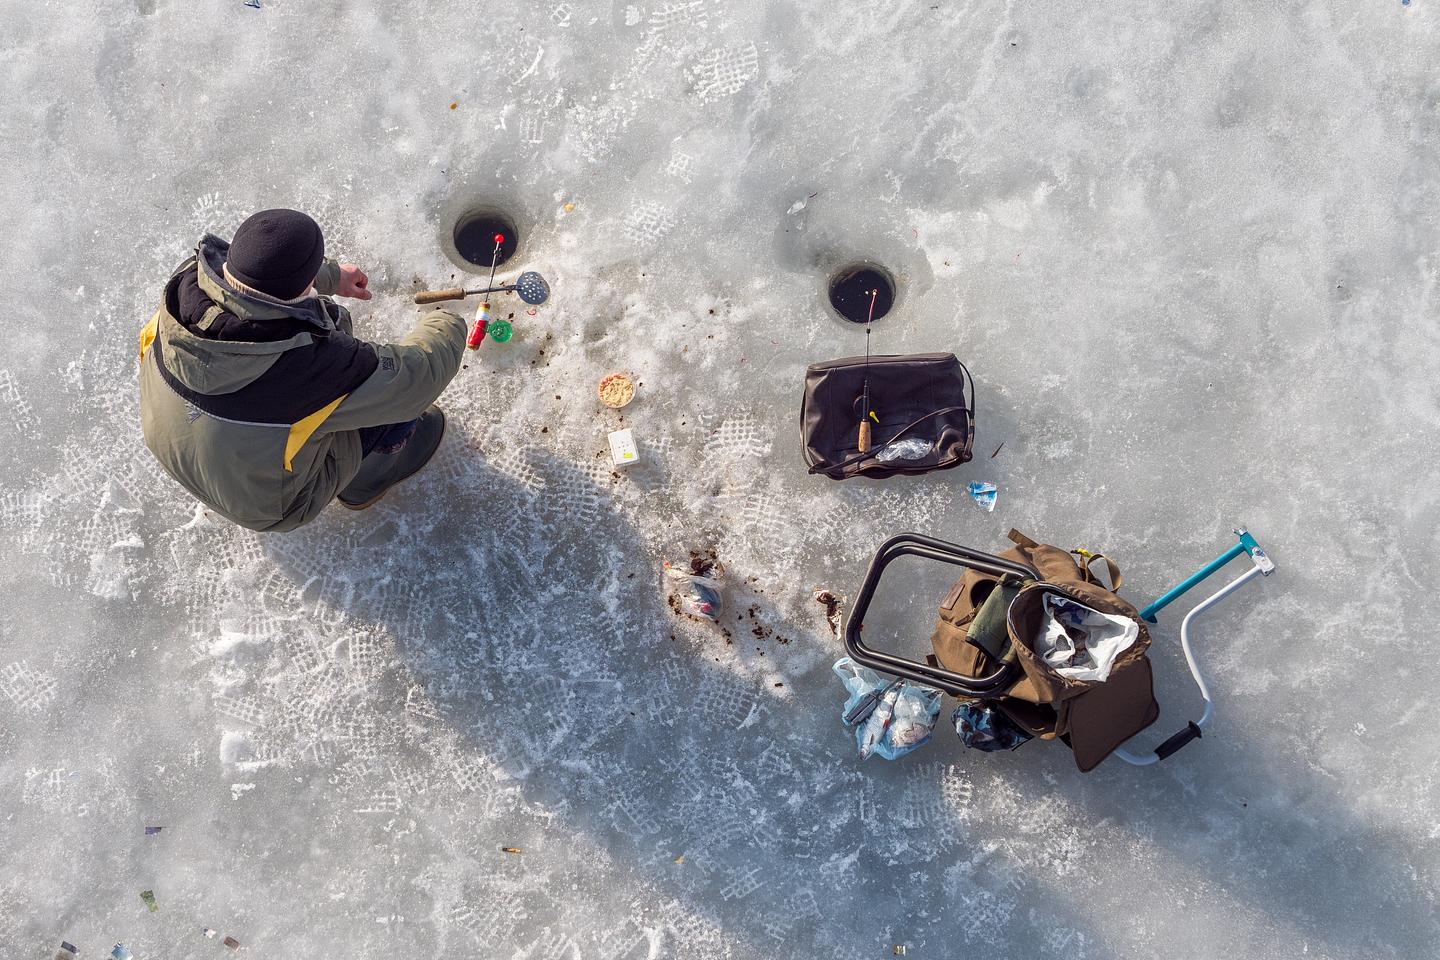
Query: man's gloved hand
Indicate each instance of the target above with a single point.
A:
(353, 283)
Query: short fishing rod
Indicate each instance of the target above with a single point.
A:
(865, 415)
(482, 319)
(530, 286)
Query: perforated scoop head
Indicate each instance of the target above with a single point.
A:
(532, 287)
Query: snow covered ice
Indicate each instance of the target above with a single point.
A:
(1188, 251)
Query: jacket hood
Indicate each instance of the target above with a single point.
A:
(217, 340)
(210, 255)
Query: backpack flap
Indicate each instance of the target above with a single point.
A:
(1109, 713)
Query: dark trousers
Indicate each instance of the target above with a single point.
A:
(387, 438)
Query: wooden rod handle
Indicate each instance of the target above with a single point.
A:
(438, 296)
(864, 436)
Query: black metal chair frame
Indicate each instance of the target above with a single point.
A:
(990, 685)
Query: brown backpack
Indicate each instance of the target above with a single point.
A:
(1092, 718)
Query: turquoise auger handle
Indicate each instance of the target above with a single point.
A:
(1261, 558)
(1246, 544)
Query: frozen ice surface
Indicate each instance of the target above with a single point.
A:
(1189, 251)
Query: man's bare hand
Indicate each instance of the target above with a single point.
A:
(353, 283)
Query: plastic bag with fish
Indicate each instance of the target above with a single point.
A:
(699, 592)
(893, 719)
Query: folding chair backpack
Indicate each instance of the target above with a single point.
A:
(1092, 718)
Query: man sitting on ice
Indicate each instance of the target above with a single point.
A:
(257, 398)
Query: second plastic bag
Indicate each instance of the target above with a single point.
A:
(982, 727)
(1081, 643)
(901, 719)
(698, 589)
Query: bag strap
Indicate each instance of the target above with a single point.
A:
(903, 430)
(1020, 540)
(969, 409)
(1113, 569)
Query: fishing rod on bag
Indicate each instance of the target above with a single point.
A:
(865, 413)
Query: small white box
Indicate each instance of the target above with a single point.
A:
(622, 448)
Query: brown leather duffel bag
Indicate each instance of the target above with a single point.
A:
(913, 398)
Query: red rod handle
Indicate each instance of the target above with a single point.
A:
(482, 323)
(477, 333)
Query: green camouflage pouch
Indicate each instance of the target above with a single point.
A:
(989, 630)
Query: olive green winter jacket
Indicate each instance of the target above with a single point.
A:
(255, 406)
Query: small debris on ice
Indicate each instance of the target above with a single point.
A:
(832, 604)
(511, 850)
(148, 896)
(798, 206)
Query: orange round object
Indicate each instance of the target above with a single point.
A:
(616, 390)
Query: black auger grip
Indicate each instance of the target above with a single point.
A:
(1191, 732)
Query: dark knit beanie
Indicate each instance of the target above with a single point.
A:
(278, 252)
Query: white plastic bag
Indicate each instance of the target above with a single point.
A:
(1103, 638)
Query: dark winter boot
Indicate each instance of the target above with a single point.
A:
(381, 471)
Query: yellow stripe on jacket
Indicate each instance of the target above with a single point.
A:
(147, 334)
(301, 431)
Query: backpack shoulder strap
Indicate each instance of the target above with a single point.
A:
(1111, 568)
